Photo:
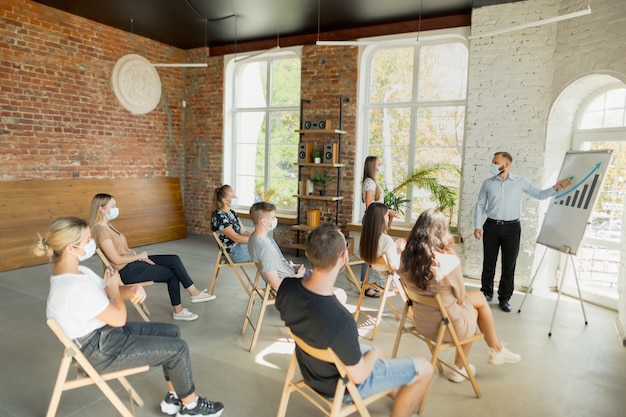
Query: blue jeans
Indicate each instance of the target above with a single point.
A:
(239, 253)
(166, 268)
(387, 373)
(136, 344)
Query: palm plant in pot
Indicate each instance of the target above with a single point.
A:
(426, 178)
(322, 180)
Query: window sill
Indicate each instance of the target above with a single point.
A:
(283, 218)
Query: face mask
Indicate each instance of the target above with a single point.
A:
(273, 225)
(90, 249)
(495, 169)
(379, 170)
(113, 213)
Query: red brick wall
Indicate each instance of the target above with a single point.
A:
(59, 117)
(204, 150)
(329, 73)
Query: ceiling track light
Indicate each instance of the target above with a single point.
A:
(541, 22)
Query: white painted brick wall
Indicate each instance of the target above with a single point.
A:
(514, 80)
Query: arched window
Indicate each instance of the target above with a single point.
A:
(261, 117)
(601, 124)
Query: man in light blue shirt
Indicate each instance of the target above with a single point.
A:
(500, 200)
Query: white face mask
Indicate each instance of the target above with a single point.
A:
(495, 169)
(273, 225)
(90, 249)
(113, 213)
(379, 170)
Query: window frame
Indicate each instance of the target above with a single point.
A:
(232, 63)
(368, 53)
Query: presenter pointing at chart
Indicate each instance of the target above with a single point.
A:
(500, 201)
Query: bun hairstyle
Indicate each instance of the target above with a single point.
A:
(220, 194)
(61, 232)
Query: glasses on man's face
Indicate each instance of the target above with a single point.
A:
(348, 244)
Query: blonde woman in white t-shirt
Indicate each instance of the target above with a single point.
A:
(91, 311)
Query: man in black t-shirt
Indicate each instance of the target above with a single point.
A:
(310, 309)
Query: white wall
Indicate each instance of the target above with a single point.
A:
(514, 80)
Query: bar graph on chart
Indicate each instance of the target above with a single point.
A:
(579, 195)
(568, 212)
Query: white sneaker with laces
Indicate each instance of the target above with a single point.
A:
(502, 357)
(455, 377)
(202, 297)
(185, 315)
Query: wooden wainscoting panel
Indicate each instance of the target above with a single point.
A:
(151, 211)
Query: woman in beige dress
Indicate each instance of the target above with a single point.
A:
(429, 266)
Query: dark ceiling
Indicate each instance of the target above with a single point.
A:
(188, 24)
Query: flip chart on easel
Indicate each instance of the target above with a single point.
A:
(569, 210)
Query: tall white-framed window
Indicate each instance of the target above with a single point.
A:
(261, 116)
(601, 124)
(413, 114)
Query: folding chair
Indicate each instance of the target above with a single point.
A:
(225, 261)
(267, 295)
(436, 345)
(349, 273)
(141, 308)
(72, 353)
(331, 407)
(392, 288)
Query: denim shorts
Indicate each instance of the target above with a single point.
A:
(239, 253)
(387, 373)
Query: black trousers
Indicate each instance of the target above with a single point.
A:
(500, 236)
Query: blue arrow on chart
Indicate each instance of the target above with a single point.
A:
(595, 168)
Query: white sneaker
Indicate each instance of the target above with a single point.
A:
(502, 357)
(202, 297)
(455, 377)
(185, 315)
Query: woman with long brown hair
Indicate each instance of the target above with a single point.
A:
(429, 266)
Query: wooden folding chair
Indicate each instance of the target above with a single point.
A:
(225, 261)
(436, 345)
(267, 295)
(141, 308)
(349, 273)
(331, 407)
(392, 288)
(73, 353)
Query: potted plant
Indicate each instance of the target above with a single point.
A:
(317, 157)
(425, 178)
(322, 180)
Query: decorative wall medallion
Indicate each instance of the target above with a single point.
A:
(136, 84)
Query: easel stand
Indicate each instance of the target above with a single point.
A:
(566, 250)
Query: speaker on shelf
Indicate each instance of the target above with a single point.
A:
(304, 152)
(331, 153)
(317, 124)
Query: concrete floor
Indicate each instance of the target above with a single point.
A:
(579, 371)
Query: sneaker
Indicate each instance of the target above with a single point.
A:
(170, 405)
(185, 315)
(502, 357)
(455, 377)
(203, 408)
(202, 297)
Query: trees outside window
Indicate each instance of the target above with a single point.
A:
(414, 111)
(261, 134)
